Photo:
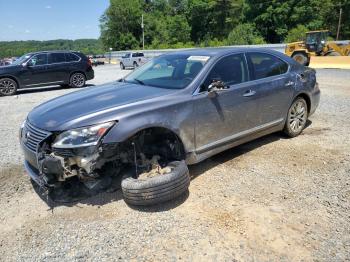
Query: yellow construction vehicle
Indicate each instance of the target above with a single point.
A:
(315, 44)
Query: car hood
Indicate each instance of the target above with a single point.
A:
(91, 106)
(8, 68)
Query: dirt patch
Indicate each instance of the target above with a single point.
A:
(13, 180)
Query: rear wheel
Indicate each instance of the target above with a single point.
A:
(301, 58)
(77, 80)
(8, 87)
(122, 67)
(136, 65)
(297, 117)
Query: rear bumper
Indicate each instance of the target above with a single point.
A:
(90, 74)
(315, 99)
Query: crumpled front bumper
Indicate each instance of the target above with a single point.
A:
(34, 174)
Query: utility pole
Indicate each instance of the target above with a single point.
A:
(143, 34)
(339, 23)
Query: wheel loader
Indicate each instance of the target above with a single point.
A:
(315, 44)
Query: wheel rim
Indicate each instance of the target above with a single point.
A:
(78, 80)
(7, 87)
(297, 116)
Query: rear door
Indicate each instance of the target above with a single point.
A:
(273, 86)
(58, 68)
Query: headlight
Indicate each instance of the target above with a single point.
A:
(81, 137)
(21, 130)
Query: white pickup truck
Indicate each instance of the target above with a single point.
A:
(132, 60)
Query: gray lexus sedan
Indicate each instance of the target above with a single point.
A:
(178, 109)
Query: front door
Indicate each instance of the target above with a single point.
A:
(232, 111)
(35, 72)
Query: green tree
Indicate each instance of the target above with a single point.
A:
(244, 34)
(121, 24)
(296, 34)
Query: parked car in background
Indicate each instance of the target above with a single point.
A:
(132, 60)
(178, 109)
(65, 68)
(5, 62)
(97, 61)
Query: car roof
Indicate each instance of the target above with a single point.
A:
(220, 51)
(53, 51)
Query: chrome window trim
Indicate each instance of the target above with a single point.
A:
(196, 91)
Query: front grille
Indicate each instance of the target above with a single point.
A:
(32, 136)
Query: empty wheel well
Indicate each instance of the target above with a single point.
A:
(11, 77)
(159, 141)
(307, 99)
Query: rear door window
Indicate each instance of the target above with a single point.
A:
(70, 57)
(266, 65)
(55, 58)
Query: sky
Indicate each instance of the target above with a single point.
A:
(50, 19)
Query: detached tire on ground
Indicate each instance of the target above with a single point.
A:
(158, 189)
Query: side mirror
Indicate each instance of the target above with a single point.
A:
(217, 85)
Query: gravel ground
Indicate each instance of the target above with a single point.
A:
(273, 199)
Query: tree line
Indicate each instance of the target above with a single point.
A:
(18, 48)
(188, 23)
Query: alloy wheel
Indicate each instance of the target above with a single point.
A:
(298, 116)
(78, 80)
(7, 87)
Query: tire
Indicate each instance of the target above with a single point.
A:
(122, 67)
(333, 53)
(157, 189)
(136, 65)
(8, 87)
(301, 58)
(77, 80)
(296, 118)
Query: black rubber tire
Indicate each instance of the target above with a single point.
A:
(73, 83)
(288, 131)
(122, 67)
(5, 90)
(136, 65)
(301, 58)
(157, 189)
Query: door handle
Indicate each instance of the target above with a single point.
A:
(249, 93)
(290, 83)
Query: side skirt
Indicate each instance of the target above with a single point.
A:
(233, 141)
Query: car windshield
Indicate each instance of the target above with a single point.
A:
(21, 60)
(169, 71)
